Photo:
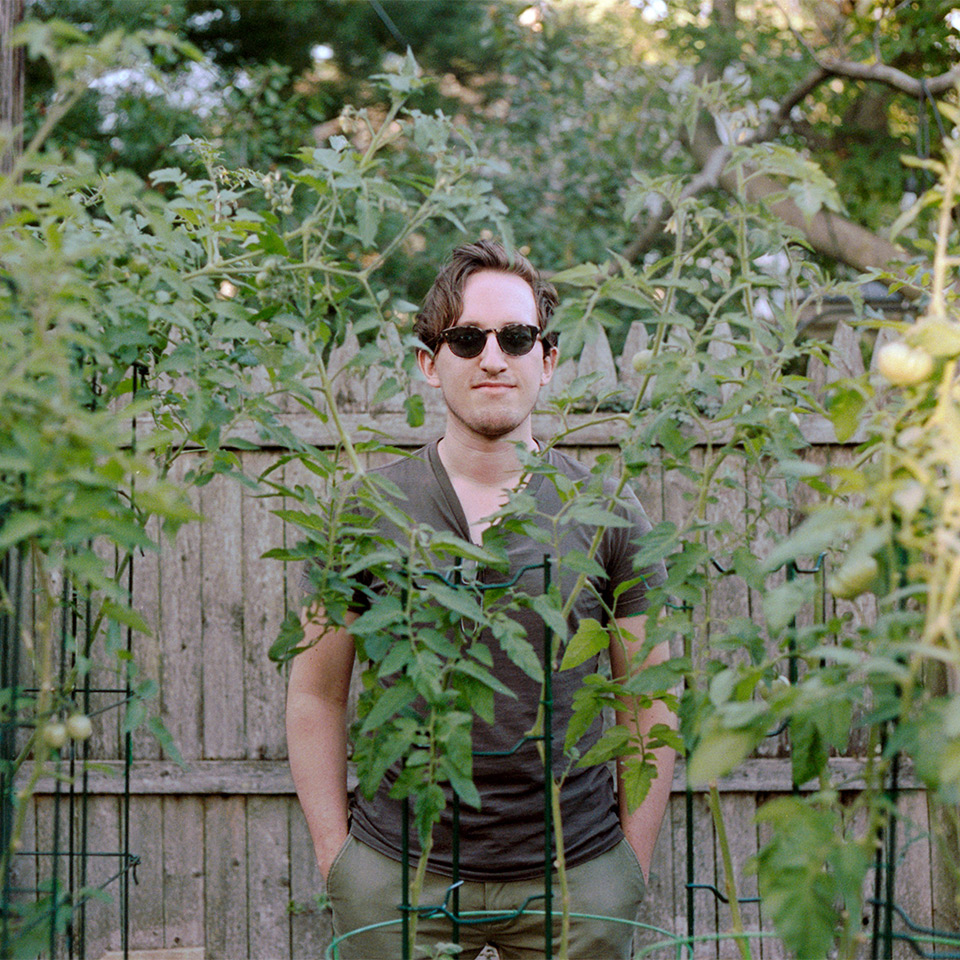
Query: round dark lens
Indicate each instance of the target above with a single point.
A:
(466, 342)
(517, 339)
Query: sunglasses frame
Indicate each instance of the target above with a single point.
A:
(444, 338)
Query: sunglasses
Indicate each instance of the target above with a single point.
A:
(467, 342)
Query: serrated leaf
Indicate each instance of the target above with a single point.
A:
(416, 411)
(615, 742)
(844, 409)
(586, 708)
(521, 653)
(583, 275)
(784, 602)
(637, 778)
(587, 642)
(385, 613)
(368, 220)
(463, 785)
(815, 535)
(163, 737)
(127, 616)
(19, 527)
(550, 613)
(485, 677)
(389, 704)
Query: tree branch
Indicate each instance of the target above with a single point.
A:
(891, 76)
(772, 127)
(827, 233)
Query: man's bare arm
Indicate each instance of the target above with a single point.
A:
(316, 732)
(642, 825)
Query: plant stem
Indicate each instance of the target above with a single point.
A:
(561, 862)
(344, 437)
(729, 879)
(416, 888)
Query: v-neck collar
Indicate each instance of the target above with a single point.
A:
(532, 486)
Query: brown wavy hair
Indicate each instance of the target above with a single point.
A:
(443, 304)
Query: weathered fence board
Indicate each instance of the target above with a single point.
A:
(181, 696)
(148, 839)
(221, 620)
(264, 605)
(268, 877)
(183, 871)
(146, 599)
(226, 897)
(103, 919)
(310, 928)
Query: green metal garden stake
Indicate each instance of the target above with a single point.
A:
(547, 773)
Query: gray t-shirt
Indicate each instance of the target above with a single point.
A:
(504, 839)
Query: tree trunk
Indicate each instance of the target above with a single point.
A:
(11, 87)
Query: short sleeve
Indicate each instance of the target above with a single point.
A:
(621, 545)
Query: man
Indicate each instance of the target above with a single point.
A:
(484, 323)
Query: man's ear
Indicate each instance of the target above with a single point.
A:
(428, 367)
(550, 358)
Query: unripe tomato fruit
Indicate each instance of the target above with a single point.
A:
(641, 360)
(54, 734)
(852, 578)
(903, 365)
(79, 726)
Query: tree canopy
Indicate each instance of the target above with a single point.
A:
(580, 106)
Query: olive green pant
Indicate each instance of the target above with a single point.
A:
(365, 889)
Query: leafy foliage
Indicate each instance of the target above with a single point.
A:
(138, 321)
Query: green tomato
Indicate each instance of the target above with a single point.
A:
(79, 726)
(54, 734)
(852, 578)
(641, 360)
(903, 365)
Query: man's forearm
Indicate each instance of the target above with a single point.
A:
(316, 738)
(642, 825)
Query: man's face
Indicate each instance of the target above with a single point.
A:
(492, 395)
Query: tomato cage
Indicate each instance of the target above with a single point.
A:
(50, 874)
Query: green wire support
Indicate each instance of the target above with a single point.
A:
(792, 572)
(547, 775)
(405, 908)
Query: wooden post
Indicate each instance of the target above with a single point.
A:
(11, 87)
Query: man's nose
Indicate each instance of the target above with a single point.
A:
(492, 357)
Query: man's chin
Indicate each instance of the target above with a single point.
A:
(495, 429)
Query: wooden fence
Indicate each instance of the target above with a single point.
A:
(227, 869)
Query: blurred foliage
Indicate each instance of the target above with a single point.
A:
(566, 98)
